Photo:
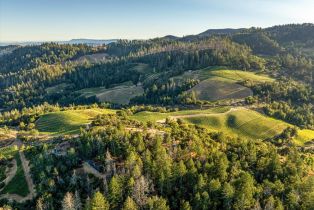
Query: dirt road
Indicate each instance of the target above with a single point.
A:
(29, 180)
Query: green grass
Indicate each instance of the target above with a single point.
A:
(18, 184)
(67, 122)
(8, 152)
(223, 73)
(237, 122)
(121, 94)
(216, 89)
(236, 75)
(146, 116)
(304, 136)
(219, 83)
(242, 123)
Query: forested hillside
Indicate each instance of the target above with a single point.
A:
(219, 120)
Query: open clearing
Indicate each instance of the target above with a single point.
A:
(121, 94)
(18, 184)
(16, 181)
(242, 123)
(57, 88)
(236, 122)
(67, 122)
(304, 137)
(218, 83)
(213, 90)
(146, 116)
(223, 73)
(92, 58)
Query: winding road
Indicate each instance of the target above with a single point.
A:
(29, 180)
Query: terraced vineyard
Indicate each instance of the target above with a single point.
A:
(67, 122)
(213, 90)
(239, 122)
(218, 83)
(146, 116)
(121, 94)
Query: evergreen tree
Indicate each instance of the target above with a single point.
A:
(157, 203)
(99, 202)
(129, 204)
(115, 192)
(77, 201)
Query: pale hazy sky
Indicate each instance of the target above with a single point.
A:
(51, 20)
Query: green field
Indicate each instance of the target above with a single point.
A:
(67, 122)
(213, 89)
(218, 83)
(304, 136)
(241, 123)
(237, 122)
(121, 94)
(223, 73)
(146, 116)
(18, 184)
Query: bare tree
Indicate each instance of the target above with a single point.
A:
(40, 204)
(68, 202)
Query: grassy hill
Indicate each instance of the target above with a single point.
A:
(242, 123)
(146, 116)
(304, 137)
(67, 122)
(218, 83)
(237, 122)
(215, 89)
(120, 94)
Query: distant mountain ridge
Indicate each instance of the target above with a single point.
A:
(91, 42)
(280, 33)
(224, 31)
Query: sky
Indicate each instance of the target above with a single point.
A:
(56, 20)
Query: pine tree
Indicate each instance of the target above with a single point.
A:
(185, 205)
(129, 204)
(115, 192)
(157, 203)
(245, 189)
(99, 202)
(77, 201)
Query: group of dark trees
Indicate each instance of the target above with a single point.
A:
(28, 57)
(27, 85)
(186, 167)
(289, 101)
(28, 73)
